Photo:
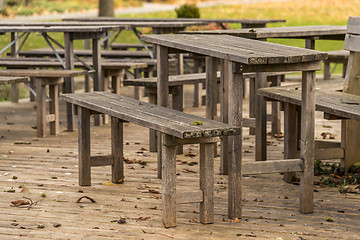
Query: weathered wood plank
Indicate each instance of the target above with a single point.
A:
(84, 147)
(273, 166)
(117, 150)
(207, 182)
(105, 160)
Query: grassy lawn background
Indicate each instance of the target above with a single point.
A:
(296, 13)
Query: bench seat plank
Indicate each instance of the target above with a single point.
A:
(161, 119)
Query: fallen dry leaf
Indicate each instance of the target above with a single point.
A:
(185, 170)
(154, 191)
(143, 218)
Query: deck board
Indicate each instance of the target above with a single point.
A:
(270, 205)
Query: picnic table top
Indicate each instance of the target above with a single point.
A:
(321, 31)
(124, 24)
(53, 28)
(241, 50)
(207, 20)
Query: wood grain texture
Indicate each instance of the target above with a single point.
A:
(117, 150)
(84, 147)
(241, 50)
(307, 144)
(207, 182)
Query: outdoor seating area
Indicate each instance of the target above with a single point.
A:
(272, 153)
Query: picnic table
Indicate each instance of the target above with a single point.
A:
(309, 33)
(239, 56)
(71, 33)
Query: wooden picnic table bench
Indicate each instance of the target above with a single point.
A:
(335, 104)
(238, 56)
(178, 128)
(43, 78)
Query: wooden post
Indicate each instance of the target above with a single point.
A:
(252, 95)
(152, 133)
(211, 90)
(307, 141)
(137, 74)
(290, 136)
(14, 87)
(235, 118)
(54, 108)
(351, 128)
(260, 119)
(117, 149)
(87, 45)
(177, 104)
(224, 109)
(168, 182)
(207, 182)
(40, 107)
(69, 81)
(97, 81)
(275, 110)
(84, 147)
(162, 92)
(327, 72)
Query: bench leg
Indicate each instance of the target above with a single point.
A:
(327, 70)
(260, 119)
(290, 136)
(54, 108)
(117, 149)
(307, 142)
(207, 182)
(84, 147)
(136, 88)
(40, 107)
(14, 93)
(196, 95)
(168, 182)
(106, 79)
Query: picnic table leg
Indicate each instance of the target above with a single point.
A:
(152, 133)
(84, 147)
(307, 141)
(87, 45)
(252, 95)
(260, 119)
(235, 118)
(97, 81)
(177, 93)
(54, 108)
(224, 109)
(137, 74)
(211, 90)
(275, 109)
(168, 182)
(163, 92)
(207, 182)
(117, 149)
(69, 81)
(40, 107)
(290, 136)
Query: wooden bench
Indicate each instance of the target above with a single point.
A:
(177, 128)
(338, 56)
(335, 104)
(43, 78)
(5, 80)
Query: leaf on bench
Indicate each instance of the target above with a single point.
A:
(349, 102)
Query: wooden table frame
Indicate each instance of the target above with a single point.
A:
(309, 33)
(232, 68)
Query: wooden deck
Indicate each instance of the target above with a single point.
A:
(49, 166)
